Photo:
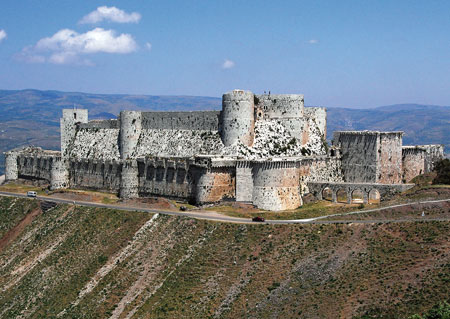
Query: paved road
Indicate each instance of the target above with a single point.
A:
(222, 218)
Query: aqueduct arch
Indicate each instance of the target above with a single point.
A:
(364, 190)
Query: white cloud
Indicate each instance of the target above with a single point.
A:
(96, 40)
(313, 41)
(3, 35)
(112, 14)
(66, 46)
(228, 64)
(148, 45)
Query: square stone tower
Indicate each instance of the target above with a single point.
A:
(370, 156)
(68, 123)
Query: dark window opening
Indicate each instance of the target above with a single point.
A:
(74, 115)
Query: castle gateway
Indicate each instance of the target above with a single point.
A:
(268, 150)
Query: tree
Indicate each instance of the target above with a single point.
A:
(442, 169)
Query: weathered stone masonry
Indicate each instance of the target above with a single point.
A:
(268, 150)
(419, 159)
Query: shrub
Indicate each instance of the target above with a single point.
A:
(442, 169)
(439, 311)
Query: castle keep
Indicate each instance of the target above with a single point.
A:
(268, 150)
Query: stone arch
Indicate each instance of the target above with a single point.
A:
(327, 194)
(374, 196)
(357, 196)
(341, 195)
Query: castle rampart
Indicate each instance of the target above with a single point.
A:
(268, 150)
(95, 174)
(100, 124)
(198, 120)
(165, 177)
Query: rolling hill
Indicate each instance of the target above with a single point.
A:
(31, 117)
(86, 262)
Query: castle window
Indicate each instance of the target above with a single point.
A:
(74, 115)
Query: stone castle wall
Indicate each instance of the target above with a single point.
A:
(370, 156)
(239, 126)
(177, 143)
(318, 115)
(59, 173)
(100, 124)
(359, 155)
(420, 159)
(165, 177)
(389, 164)
(198, 120)
(95, 143)
(413, 162)
(34, 166)
(244, 181)
(264, 149)
(434, 153)
(276, 185)
(95, 174)
(288, 109)
(11, 167)
(68, 123)
(214, 184)
(319, 169)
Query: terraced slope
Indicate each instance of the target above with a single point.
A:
(74, 262)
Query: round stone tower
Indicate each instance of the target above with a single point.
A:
(59, 174)
(130, 130)
(238, 117)
(11, 169)
(129, 182)
(276, 185)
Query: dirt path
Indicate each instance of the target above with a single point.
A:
(17, 230)
(216, 216)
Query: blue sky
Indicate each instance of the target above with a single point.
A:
(337, 53)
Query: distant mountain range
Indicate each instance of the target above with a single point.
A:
(31, 117)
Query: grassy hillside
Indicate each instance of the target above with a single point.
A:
(99, 263)
(31, 117)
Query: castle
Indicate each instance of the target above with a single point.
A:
(268, 150)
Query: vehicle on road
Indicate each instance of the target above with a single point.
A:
(258, 219)
(31, 194)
